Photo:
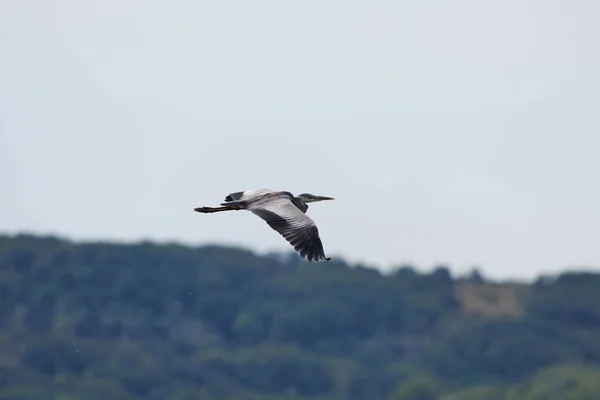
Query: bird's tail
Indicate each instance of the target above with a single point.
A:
(234, 196)
(238, 203)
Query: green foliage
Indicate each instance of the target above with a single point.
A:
(504, 350)
(570, 299)
(568, 382)
(149, 321)
(416, 388)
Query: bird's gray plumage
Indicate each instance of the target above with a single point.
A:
(283, 212)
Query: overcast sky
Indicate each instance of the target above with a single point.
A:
(465, 133)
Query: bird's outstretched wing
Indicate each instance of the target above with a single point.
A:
(295, 226)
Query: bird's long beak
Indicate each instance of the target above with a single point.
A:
(325, 198)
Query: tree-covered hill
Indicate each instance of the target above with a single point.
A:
(147, 321)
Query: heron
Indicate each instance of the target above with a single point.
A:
(283, 212)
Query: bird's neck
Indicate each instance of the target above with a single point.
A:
(300, 204)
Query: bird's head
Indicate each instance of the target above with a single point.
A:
(311, 198)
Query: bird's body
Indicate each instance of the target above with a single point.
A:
(284, 212)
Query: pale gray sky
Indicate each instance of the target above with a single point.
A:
(465, 132)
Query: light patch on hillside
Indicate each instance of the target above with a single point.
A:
(492, 300)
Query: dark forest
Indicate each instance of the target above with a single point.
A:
(100, 321)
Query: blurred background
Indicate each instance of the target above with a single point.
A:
(459, 140)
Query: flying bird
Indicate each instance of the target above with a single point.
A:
(284, 212)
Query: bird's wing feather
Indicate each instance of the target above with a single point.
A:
(291, 223)
(247, 195)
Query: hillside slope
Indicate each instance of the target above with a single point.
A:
(147, 321)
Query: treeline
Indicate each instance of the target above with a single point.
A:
(148, 321)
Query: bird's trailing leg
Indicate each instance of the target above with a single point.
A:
(215, 209)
